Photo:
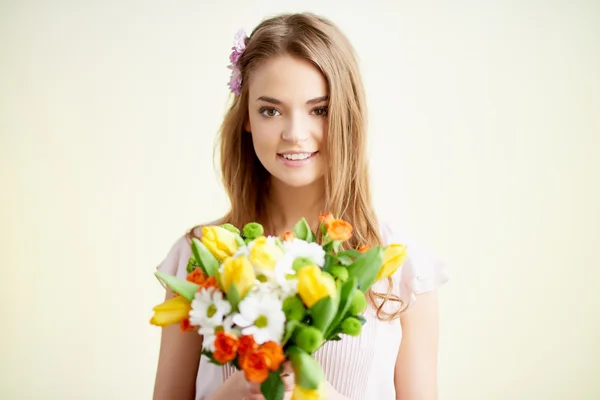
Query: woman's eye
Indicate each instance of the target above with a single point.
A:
(321, 111)
(269, 112)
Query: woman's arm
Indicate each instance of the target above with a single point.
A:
(416, 364)
(178, 362)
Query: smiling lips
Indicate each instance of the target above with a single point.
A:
(296, 158)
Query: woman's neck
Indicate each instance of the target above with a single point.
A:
(288, 204)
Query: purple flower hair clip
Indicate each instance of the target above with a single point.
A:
(239, 45)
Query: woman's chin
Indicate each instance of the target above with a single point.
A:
(299, 180)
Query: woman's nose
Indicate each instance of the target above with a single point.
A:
(296, 131)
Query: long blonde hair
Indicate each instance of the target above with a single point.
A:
(347, 186)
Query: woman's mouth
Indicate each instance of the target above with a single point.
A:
(297, 159)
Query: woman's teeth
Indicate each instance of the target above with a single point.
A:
(297, 156)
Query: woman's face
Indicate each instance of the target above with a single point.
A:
(287, 109)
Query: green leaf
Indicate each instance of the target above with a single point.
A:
(346, 295)
(181, 286)
(330, 262)
(240, 242)
(366, 267)
(290, 327)
(231, 228)
(351, 253)
(234, 298)
(273, 388)
(207, 261)
(323, 312)
(344, 260)
(308, 373)
(302, 231)
(210, 357)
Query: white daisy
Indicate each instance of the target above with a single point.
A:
(261, 316)
(300, 248)
(209, 308)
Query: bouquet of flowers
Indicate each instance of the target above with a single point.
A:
(259, 300)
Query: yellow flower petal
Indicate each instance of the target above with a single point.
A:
(171, 311)
(313, 285)
(220, 241)
(394, 256)
(264, 255)
(239, 272)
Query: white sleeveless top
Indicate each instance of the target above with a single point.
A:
(358, 367)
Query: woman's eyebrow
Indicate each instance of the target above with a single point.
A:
(273, 100)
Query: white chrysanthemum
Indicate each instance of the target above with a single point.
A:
(210, 332)
(261, 316)
(300, 248)
(209, 308)
(281, 288)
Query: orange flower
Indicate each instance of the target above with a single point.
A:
(288, 237)
(210, 282)
(363, 249)
(226, 345)
(339, 230)
(185, 326)
(196, 276)
(247, 345)
(326, 218)
(255, 366)
(273, 354)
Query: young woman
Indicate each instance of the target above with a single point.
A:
(292, 146)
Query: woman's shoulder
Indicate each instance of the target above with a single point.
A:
(176, 260)
(423, 269)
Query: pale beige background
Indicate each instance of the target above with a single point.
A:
(485, 127)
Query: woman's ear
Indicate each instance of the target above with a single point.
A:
(247, 126)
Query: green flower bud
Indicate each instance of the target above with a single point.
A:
(294, 308)
(191, 265)
(308, 338)
(301, 262)
(359, 303)
(231, 228)
(253, 230)
(339, 272)
(351, 326)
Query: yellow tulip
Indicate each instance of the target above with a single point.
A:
(394, 256)
(238, 272)
(264, 254)
(314, 285)
(220, 241)
(301, 393)
(171, 311)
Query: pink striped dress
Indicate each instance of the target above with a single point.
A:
(358, 367)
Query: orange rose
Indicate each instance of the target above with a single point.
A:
(274, 355)
(247, 344)
(363, 249)
(255, 366)
(210, 282)
(226, 345)
(288, 237)
(339, 230)
(326, 218)
(196, 276)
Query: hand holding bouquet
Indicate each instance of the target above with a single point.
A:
(259, 301)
